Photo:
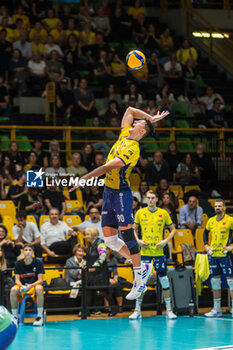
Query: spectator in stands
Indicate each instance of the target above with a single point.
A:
(28, 278)
(132, 92)
(112, 111)
(120, 25)
(55, 68)
(152, 110)
(157, 170)
(166, 43)
(85, 101)
(4, 12)
(14, 154)
(53, 235)
(54, 150)
(18, 30)
(139, 29)
(18, 188)
(26, 232)
(93, 221)
(71, 27)
(197, 110)
(18, 72)
(119, 70)
(99, 135)
(32, 162)
(140, 77)
(5, 50)
(186, 52)
(88, 155)
(42, 157)
(66, 14)
(38, 74)
(187, 172)
(64, 102)
(76, 168)
(102, 69)
(32, 203)
(112, 94)
(70, 65)
(190, 215)
(73, 275)
(141, 194)
(3, 182)
(10, 249)
(142, 164)
(136, 204)
(209, 97)
(39, 9)
(99, 45)
(167, 203)
(23, 45)
(54, 199)
(5, 107)
(86, 38)
(9, 31)
(190, 78)
(51, 46)
(165, 99)
(3, 262)
(73, 46)
(38, 46)
(154, 71)
(163, 187)
(217, 116)
(96, 257)
(151, 41)
(59, 33)
(38, 30)
(102, 22)
(172, 157)
(8, 170)
(113, 134)
(174, 74)
(51, 20)
(55, 168)
(21, 14)
(95, 198)
(206, 168)
(135, 10)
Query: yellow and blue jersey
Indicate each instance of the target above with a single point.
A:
(152, 226)
(221, 232)
(128, 151)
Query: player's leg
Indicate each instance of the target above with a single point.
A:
(13, 299)
(227, 270)
(160, 266)
(215, 273)
(40, 306)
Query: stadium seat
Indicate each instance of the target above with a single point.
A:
(177, 189)
(181, 124)
(153, 188)
(188, 188)
(204, 219)
(152, 145)
(181, 202)
(71, 205)
(199, 239)
(9, 223)
(183, 236)
(126, 273)
(49, 275)
(43, 219)
(212, 201)
(185, 144)
(134, 180)
(180, 108)
(8, 208)
(31, 218)
(166, 234)
(24, 144)
(163, 143)
(72, 220)
(65, 193)
(79, 197)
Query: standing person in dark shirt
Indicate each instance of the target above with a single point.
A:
(28, 279)
(173, 157)
(100, 45)
(157, 170)
(5, 51)
(14, 154)
(84, 106)
(139, 28)
(151, 41)
(190, 77)
(121, 25)
(42, 157)
(5, 107)
(64, 100)
(54, 199)
(217, 115)
(154, 71)
(18, 188)
(102, 69)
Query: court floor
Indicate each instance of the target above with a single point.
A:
(119, 334)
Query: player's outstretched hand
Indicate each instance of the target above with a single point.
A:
(159, 116)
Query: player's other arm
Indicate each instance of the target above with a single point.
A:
(165, 241)
(206, 240)
(134, 113)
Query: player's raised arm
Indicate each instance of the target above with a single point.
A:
(134, 113)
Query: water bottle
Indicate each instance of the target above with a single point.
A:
(191, 308)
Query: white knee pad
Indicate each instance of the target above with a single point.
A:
(114, 242)
(164, 282)
(230, 283)
(216, 283)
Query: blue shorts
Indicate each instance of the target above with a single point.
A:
(221, 266)
(7, 336)
(159, 262)
(117, 208)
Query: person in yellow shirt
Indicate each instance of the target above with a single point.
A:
(166, 42)
(119, 70)
(71, 28)
(21, 14)
(118, 199)
(50, 21)
(152, 222)
(9, 31)
(38, 29)
(186, 52)
(87, 37)
(135, 10)
(59, 33)
(37, 46)
(220, 227)
(18, 30)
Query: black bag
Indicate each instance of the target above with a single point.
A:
(59, 283)
(182, 289)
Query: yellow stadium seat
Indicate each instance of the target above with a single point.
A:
(87, 217)
(188, 188)
(49, 274)
(199, 239)
(212, 201)
(153, 188)
(166, 234)
(181, 202)
(126, 273)
(43, 219)
(204, 219)
(177, 190)
(72, 220)
(134, 180)
(71, 205)
(8, 208)
(31, 218)
(183, 236)
(65, 193)
(79, 197)
(8, 223)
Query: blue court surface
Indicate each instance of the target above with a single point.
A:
(116, 334)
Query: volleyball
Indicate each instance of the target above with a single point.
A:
(135, 59)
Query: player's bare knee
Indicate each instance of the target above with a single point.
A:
(14, 291)
(114, 242)
(39, 290)
(216, 283)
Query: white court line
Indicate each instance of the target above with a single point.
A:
(213, 318)
(218, 347)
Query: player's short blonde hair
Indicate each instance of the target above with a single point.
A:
(92, 231)
(151, 192)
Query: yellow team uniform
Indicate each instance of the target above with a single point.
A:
(152, 226)
(128, 151)
(221, 232)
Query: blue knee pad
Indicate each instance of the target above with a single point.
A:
(130, 241)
